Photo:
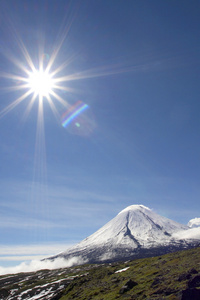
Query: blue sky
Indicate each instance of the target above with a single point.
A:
(139, 63)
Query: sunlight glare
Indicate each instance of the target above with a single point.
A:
(40, 83)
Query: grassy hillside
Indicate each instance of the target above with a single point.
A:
(163, 277)
(154, 278)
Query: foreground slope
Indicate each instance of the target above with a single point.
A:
(136, 231)
(173, 276)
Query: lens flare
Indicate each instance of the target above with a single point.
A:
(73, 112)
(79, 120)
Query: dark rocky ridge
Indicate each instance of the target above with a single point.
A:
(123, 254)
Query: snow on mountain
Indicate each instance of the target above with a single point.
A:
(135, 230)
(134, 226)
(194, 223)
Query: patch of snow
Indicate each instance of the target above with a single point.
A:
(41, 295)
(122, 270)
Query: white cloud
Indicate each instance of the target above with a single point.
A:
(36, 265)
(16, 222)
(190, 234)
(194, 222)
(12, 254)
(46, 249)
(17, 213)
(107, 255)
(20, 257)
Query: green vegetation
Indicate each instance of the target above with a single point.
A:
(156, 278)
(162, 277)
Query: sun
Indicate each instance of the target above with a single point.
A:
(45, 79)
(38, 83)
(41, 83)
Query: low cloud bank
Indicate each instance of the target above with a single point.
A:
(192, 233)
(44, 249)
(36, 265)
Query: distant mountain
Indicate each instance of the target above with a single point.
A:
(135, 232)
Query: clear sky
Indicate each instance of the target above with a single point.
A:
(135, 64)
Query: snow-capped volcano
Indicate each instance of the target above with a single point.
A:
(135, 226)
(135, 231)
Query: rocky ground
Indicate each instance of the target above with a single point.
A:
(172, 276)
